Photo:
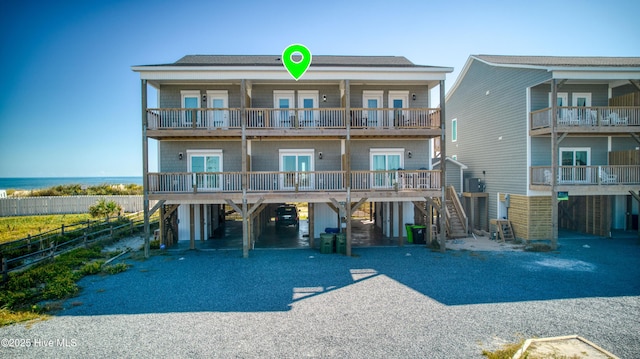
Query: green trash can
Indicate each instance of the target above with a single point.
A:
(326, 243)
(409, 227)
(341, 243)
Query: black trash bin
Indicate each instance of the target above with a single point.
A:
(418, 234)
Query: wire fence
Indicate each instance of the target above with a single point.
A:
(26, 252)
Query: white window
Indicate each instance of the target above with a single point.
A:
(387, 161)
(308, 99)
(217, 99)
(454, 130)
(296, 165)
(190, 99)
(397, 101)
(370, 100)
(206, 166)
(283, 101)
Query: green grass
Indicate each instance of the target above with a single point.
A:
(13, 228)
(22, 297)
(506, 352)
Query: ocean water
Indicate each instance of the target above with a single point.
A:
(27, 183)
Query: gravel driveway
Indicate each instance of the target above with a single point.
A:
(382, 303)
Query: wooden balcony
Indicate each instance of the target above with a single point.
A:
(313, 186)
(588, 180)
(308, 122)
(605, 120)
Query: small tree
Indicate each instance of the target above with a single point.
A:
(102, 208)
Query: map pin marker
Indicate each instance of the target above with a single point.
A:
(296, 69)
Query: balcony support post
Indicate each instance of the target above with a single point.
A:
(245, 217)
(443, 177)
(145, 168)
(347, 106)
(554, 164)
(312, 229)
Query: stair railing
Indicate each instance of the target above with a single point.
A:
(453, 196)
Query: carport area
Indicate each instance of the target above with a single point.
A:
(365, 232)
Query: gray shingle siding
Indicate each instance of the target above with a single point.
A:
(169, 161)
(540, 95)
(170, 97)
(262, 95)
(623, 144)
(422, 95)
(490, 106)
(265, 154)
(360, 150)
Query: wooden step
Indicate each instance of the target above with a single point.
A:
(505, 231)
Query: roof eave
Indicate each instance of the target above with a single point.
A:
(160, 73)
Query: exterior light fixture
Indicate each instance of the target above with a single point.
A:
(180, 156)
(409, 154)
(413, 97)
(319, 155)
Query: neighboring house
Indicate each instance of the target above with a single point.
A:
(239, 131)
(505, 125)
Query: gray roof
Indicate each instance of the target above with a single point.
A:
(274, 60)
(561, 61)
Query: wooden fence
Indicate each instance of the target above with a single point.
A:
(26, 252)
(29, 206)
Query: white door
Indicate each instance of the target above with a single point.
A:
(388, 161)
(397, 101)
(308, 100)
(283, 101)
(371, 100)
(206, 167)
(296, 164)
(190, 100)
(575, 162)
(585, 116)
(218, 100)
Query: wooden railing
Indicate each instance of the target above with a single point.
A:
(453, 196)
(395, 118)
(269, 118)
(394, 180)
(587, 175)
(312, 181)
(301, 118)
(620, 116)
(199, 118)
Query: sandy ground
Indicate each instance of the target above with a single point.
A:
(476, 243)
(479, 243)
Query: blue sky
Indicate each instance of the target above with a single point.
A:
(70, 104)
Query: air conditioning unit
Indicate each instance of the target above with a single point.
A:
(472, 185)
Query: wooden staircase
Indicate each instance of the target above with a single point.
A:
(505, 231)
(456, 217)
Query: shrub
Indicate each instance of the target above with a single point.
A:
(155, 244)
(63, 286)
(91, 268)
(115, 269)
(104, 208)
